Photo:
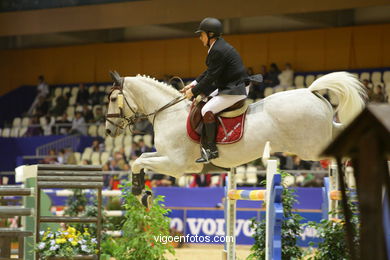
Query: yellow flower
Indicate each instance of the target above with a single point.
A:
(71, 230)
(74, 243)
(60, 240)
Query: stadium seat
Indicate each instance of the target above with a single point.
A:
(65, 90)
(95, 158)
(90, 88)
(101, 130)
(148, 140)
(70, 111)
(117, 148)
(74, 91)
(42, 121)
(290, 88)
(136, 138)
(92, 130)
(309, 79)
(108, 141)
(1, 131)
(108, 89)
(215, 180)
(128, 151)
(25, 121)
(22, 131)
(118, 141)
(278, 89)
(240, 175)
(104, 157)
(251, 175)
(57, 92)
(299, 81)
(72, 100)
(6, 132)
(268, 91)
(376, 77)
(16, 122)
(77, 156)
(127, 140)
(386, 77)
(102, 88)
(14, 132)
(319, 76)
(182, 181)
(87, 154)
(364, 75)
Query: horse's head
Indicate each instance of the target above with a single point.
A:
(120, 113)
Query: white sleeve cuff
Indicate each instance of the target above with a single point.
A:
(194, 83)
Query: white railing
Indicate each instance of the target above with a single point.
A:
(71, 141)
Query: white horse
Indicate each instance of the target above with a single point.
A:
(298, 121)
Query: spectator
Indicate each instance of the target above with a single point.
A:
(367, 85)
(62, 103)
(78, 124)
(201, 180)
(99, 117)
(96, 97)
(63, 125)
(48, 127)
(51, 158)
(95, 145)
(69, 156)
(143, 127)
(43, 91)
(87, 113)
(120, 160)
(134, 150)
(272, 78)
(377, 95)
(142, 148)
(34, 128)
(249, 71)
(61, 157)
(42, 107)
(299, 164)
(82, 95)
(286, 77)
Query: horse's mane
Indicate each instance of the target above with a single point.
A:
(169, 89)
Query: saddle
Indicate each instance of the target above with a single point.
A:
(195, 116)
(230, 121)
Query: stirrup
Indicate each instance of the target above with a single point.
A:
(207, 155)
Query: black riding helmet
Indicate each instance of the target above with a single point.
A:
(211, 26)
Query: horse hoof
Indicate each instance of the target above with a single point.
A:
(147, 199)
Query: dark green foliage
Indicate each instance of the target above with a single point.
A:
(141, 229)
(333, 243)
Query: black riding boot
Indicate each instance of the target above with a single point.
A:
(209, 148)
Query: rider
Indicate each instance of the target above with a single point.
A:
(224, 80)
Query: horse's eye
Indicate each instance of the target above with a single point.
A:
(113, 99)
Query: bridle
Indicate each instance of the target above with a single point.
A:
(130, 121)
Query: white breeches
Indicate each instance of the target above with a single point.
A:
(221, 102)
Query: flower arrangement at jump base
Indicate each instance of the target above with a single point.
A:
(66, 243)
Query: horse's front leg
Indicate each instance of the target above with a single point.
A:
(161, 164)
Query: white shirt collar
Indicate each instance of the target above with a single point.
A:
(211, 46)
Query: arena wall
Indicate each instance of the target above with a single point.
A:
(309, 50)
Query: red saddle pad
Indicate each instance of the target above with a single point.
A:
(234, 128)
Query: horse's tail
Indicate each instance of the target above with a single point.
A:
(349, 90)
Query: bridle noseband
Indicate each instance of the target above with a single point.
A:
(130, 121)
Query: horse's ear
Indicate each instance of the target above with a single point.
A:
(118, 80)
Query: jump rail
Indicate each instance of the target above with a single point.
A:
(274, 211)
